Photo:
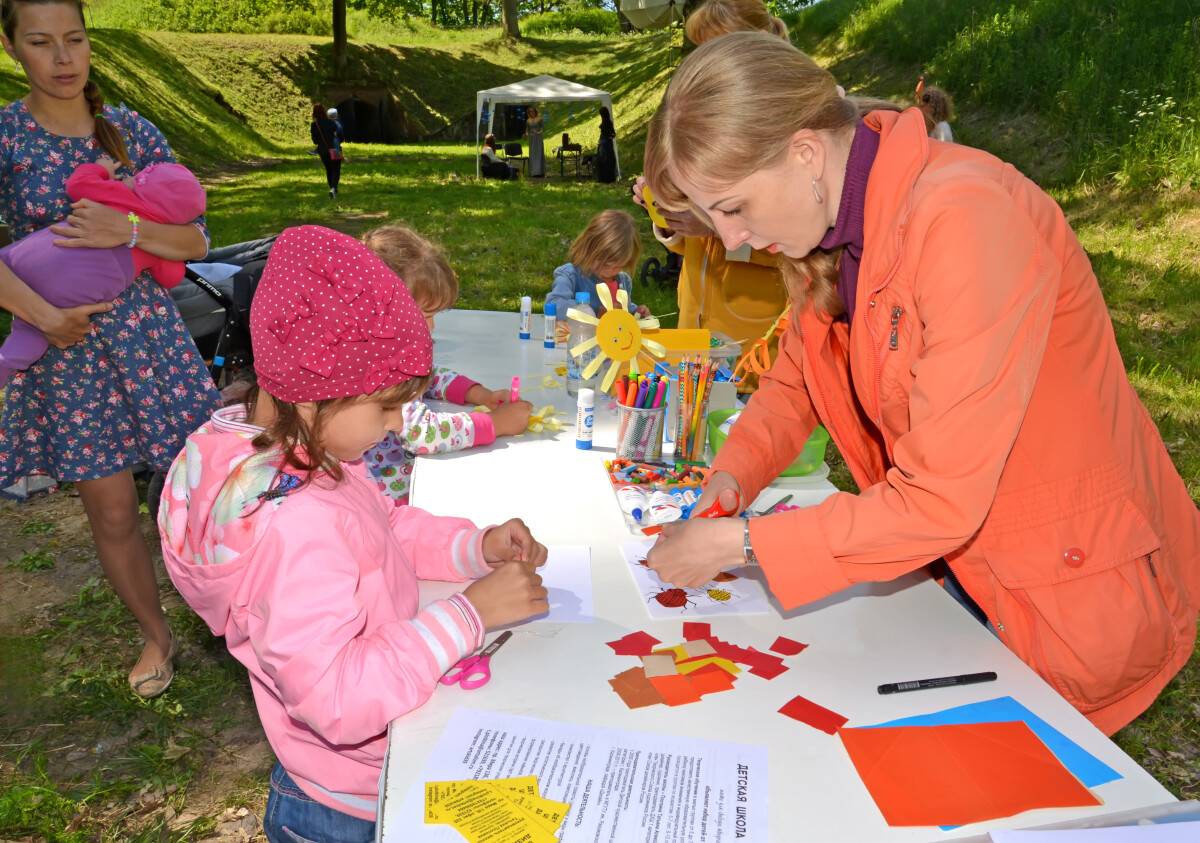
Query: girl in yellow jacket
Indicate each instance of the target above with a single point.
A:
(951, 336)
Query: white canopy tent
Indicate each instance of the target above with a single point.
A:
(652, 14)
(539, 89)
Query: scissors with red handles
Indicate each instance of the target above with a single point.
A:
(475, 671)
(716, 510)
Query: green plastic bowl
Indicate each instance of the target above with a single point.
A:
(810, 458)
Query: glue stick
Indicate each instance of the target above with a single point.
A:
(584, 419)
(551, 311)
(526, 311)
(633, 501)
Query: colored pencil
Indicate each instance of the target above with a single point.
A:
(700, 437)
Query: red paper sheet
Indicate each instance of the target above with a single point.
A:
(819, 717)
(634, 644)
(693, 630)
(962, 773)
(787, 646)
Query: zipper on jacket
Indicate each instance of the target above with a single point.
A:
(878, 346)
(893, 342)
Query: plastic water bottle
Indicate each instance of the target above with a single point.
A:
(581, 332)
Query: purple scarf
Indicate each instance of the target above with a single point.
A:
(847, 232)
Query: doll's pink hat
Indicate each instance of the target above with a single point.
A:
(331, 320)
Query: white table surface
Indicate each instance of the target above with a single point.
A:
(858, 639)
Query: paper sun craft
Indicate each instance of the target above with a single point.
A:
(618, 337)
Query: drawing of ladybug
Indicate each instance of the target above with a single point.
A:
(718, 595)
(672, 598)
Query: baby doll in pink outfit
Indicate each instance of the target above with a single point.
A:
(163, 193)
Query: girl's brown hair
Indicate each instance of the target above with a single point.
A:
(721, 17)
(299, 442)
(420, 264)
(731, 110)
(609, 237)
(936, 103)
(319, 112)
(107, 135)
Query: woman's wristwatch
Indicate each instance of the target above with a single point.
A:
(747, 550)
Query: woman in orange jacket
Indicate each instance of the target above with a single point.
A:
(950, 334)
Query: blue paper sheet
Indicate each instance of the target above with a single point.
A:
(1086, 767)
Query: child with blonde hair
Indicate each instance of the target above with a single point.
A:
(937, 107)
(720, 17)
(434, 287)
(605, 252)
(274, 533)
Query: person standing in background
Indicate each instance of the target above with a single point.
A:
(328, 138)
(534, 127)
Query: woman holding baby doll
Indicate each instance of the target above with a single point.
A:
(122, 382)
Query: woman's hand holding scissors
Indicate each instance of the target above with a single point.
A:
(475, 671)
(690, 553)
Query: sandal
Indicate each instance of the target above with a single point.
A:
(159, 678)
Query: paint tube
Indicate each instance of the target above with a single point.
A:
(633, 501)
(664, 508)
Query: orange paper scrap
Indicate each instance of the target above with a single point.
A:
(962, 773)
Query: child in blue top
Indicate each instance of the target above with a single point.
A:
(604, 252)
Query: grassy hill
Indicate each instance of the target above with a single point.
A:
(221, 99)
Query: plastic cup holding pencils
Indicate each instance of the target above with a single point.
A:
(639, 432)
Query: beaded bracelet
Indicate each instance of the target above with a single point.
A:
(133, 220)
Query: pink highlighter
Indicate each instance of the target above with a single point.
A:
(514, 392)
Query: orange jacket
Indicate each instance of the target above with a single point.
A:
(983, 407)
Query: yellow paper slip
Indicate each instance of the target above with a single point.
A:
(495, 811)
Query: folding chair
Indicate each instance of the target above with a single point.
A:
(514, 155)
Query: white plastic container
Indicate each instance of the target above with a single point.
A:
(526, 315)
(585, 419)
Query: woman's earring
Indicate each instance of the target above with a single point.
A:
(817, 193)
(17, 65)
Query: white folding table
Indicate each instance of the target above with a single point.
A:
(862, 637)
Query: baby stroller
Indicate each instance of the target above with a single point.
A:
(662, 273)
(214, 301)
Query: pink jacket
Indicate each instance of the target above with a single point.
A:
(983, 407)
(315, 591)
(165, 193)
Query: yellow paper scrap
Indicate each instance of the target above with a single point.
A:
(543, 419)
(724, 664)
(495, 810)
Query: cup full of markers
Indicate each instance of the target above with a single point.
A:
(641, 411)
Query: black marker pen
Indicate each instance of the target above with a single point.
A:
(941, 682)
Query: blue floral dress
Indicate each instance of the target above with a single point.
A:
(135, 387)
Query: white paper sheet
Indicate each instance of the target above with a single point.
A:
(624, 786)
(567, 575)
(734, 597)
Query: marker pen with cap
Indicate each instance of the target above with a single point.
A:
(526, 315)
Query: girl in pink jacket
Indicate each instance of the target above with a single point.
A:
(274, 533)
(949, 333)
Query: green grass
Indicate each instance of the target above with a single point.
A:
(504, 239)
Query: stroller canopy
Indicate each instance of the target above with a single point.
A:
(652, 14)
(535, 90)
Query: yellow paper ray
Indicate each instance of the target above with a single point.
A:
(633, 367)
(655, 348)
(622, 299)
(650, 323)
(589, 343)
(593, 367)
(604, 296)
(580, 316)
(610, 376)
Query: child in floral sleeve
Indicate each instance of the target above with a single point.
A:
(434, 286)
